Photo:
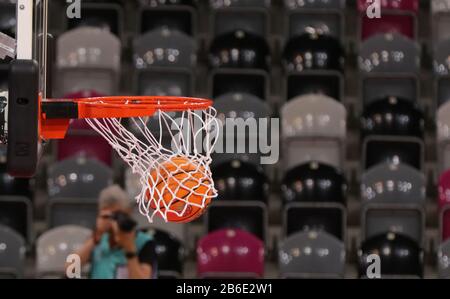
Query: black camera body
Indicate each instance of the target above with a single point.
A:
(124, 221)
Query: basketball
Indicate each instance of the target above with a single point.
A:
(179, 190)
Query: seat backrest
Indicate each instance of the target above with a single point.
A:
(78, 177)
(403, 54)
(67, 211)
(443, 136)
(229, 251)
(440, 6)
(164, 48)
(404, 218)
(55, 245)
(444, 260)
(441, 64)
(88, 59)
(314, 116)
(249, 216)
(12, 251)
(395, 183)
(312, 253)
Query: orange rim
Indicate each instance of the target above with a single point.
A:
(133, 106)
(54, 124)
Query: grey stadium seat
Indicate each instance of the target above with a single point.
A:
(393, 183)
(88, 59)
(55, 245)
(246, 107)
(12, 253)
(312, 255)
(392, 74)
(78, 177)
(313, 128)
(444, 260)
(326, 17)
(442, 72)
(440, 15)
(443, 136)
(249, 15)
(163, 60)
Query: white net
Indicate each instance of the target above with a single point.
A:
(171, 154)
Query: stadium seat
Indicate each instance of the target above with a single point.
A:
(78, 177)
(444, 189)
(238, 180)
(329, 217)
(241, 107)
(239, 61)
(313, 63)
(8, 21)
(163, 61)
(401, 256)
(230, 253)
(313, 128)
(250, 216)
(396, 16)
(55, 245)
(324, 17)
(311, 254)
(393, 75)
(88, 58)
(440, 15)
(72, 211)
(442, 72)
(174, 15)
(16, 213)
(444, 222)
(105, 15)
(408, 219)
(12, 254)
(393, 183)
(314, 182)
(170, 254)
(444, 260)
(443, 136)
(392, 131)
(249, 15)
(393, 198)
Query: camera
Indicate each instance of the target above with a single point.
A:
(124, 221)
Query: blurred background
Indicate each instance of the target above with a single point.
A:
(365, 157)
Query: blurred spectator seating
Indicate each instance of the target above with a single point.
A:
(313, 129)
(393, 199)
(164, 61)
(230, 253)
(311, 254)
(55, 245)
(88, 58)
(12, 254)
(170, 254)
(395, 16)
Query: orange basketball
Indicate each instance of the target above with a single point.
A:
(179, 178)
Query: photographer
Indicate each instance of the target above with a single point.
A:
(115, 249)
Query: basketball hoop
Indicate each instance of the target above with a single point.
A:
(167, 142)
